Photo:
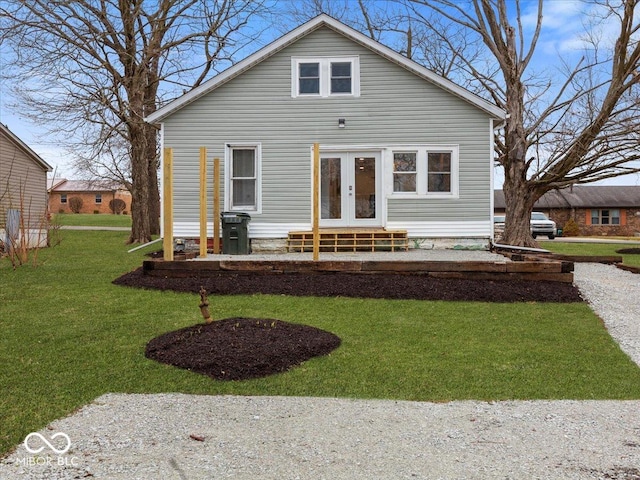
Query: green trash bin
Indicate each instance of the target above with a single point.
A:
(235, 233)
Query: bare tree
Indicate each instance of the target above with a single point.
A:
(92, 70)
(579, 130)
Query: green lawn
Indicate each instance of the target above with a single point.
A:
(68, 335)
(569, 248)
(89, 220)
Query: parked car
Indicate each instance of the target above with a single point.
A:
(542, 225)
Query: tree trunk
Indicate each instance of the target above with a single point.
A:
(140, 227)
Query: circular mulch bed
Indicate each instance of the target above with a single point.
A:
(241, 348)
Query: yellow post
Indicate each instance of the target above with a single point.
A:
(203, 201)
(167, 240)
(316, 201)
(216, 205)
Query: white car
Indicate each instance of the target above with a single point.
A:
(542, 225)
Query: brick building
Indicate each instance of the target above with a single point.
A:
(95, 195)
(597, 209)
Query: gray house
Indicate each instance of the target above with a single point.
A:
(400, 147)
(23, 191)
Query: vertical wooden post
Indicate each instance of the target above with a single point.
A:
(167, 174)
(316, 202)
(216, 205)
(203, 202)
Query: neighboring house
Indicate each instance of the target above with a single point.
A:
(400, 147)
(96, 195)
(597, 209)
(23, 188)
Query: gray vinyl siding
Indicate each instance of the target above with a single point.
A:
(395, 107)
(23, 184)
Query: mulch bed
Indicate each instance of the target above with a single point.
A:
(245, 348)
(389, 286)
(241, 348)
(629, 251)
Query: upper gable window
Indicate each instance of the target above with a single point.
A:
(309, 78)
(325, 76)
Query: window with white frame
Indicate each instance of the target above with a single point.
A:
(404, 171)
(63, 198)
(425, 170)
(98, 198)
(439, 172)
(325, 76)
(605, 217)
(243, 176)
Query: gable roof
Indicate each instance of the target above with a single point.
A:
(25, 148)
(324, 20)
(64, 185)
(583, 196)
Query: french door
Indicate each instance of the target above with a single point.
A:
(350, 189)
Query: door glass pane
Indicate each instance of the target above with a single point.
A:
(330, 188)
(365, 187)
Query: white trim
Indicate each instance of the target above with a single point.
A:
(305, 29)
(348, 219)
(324, 65)
(256, 229)
(162, 181)
(444, 228)
(228, 147)
(491, 175)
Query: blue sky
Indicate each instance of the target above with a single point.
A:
(562, 38)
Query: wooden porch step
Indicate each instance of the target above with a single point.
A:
(350, 240)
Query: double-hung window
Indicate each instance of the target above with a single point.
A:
(425, 170)
(325, 76)
(439, 172)
(309, 78)
(243, 177)
(605, 217)
(404, 171)
(63, 198)
(98, 198)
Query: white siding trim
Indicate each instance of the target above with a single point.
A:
(442, 229)
(445, 228)
(256, 229)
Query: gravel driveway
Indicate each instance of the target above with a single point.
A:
(176, 436)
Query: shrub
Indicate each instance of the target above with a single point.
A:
(96, 212)
(117, 205)
(571, 229)
(75, 204)
(61, 210)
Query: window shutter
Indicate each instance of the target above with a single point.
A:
(587, 220)
(623, 216)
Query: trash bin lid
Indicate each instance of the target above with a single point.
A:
(229, 216)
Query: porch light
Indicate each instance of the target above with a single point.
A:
(341, 123)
